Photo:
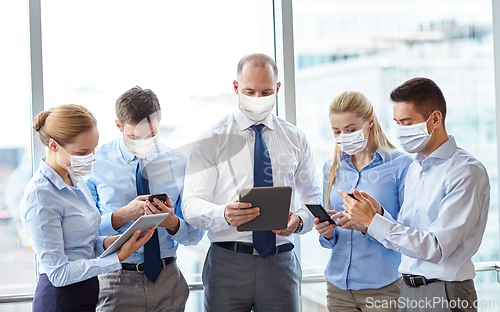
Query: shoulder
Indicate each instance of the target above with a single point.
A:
(463, 164)
(107, 148)
(39, 194)
(399, 158)
(288, 128)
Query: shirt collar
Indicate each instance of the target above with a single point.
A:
(443, 152)
(378, 155)
(244, 123)
(127, 156)
(52, 175)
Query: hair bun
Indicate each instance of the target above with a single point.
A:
(40, 120)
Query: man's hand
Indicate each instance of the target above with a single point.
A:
(171, 223)
(293, 223)
(359, 210)
(326, 229)
(130, 212)
(344, 222)
(237, 213)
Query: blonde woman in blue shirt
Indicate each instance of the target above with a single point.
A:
(361, 272)
(61, 219)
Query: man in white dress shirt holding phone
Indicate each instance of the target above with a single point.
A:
(240, 272)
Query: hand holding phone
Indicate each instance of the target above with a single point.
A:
(161, 196)
(319, 212)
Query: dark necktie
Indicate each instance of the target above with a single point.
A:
(263, 241)
(152, 260)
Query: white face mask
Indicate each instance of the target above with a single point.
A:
(257, 108)
(413, 138)
(79, 165)
(142, 148)
(352, 143)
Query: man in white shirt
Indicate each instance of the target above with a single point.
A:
(238, 274)
(443, 217)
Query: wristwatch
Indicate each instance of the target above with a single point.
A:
(300, 226)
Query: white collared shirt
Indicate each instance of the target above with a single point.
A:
(441, 223)
(221, 164)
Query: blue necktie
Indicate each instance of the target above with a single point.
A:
(152, 260)
(263, 241)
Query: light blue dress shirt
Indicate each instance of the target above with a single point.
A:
(358, 261)
(62, 223)
(442, 221)
(112, 185)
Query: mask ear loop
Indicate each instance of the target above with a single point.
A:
(426, 126)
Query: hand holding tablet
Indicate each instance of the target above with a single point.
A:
(143, 223)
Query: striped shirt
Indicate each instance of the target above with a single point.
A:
(221, 164)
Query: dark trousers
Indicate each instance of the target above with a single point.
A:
(78, 297)
(238, 282)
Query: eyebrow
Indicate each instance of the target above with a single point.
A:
(403, 119)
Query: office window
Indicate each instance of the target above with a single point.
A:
(373, 48)
(185, 51)
(16, 256)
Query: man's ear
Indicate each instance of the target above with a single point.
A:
(235, 86)
(118, 125)
(436, 119)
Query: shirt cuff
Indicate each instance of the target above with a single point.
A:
(110, 262)
(99, 248)
(106, 227)
(182, 232)
(380, 227)
(327, 243)
(219, 218)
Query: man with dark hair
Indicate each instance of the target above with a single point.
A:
(443, 217)
(127, 170)
(245, 270)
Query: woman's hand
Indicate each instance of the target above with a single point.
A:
(134, 243)
(326, 229)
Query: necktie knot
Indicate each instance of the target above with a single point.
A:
(258, 128)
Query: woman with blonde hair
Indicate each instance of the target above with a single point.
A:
(61, 218)
(360, 270)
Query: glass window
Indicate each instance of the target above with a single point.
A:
(373, 48)
(16, 256)
(185, 51)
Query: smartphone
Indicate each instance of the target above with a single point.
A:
(352, 195)
(319, 212)
(161, 196)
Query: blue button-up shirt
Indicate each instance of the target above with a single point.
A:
(62, 223)
(358, 261)
(112, 184)
(443, 217)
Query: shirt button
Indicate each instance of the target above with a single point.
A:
(175, 237)
(347, 260)
(128, 159)
(372, 238)
(348, 243)
(423, 173)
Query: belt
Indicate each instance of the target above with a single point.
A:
(417, 280)
(139, 267)
(248, 248)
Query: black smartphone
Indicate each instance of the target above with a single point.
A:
(319, 212)
(352, 195)
(161, 196)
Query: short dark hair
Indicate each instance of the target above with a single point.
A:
(258, 60)
(423, 93)
(135, 105)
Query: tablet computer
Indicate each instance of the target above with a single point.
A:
(319, 212)
(143, 223)
(274, 204)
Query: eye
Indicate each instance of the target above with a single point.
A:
(336, 132)
(81, 154)
(351, 130)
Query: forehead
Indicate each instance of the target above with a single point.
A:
(86, 140)
(144, 127)
(257, 75)
(343, 120)
(403, 110)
